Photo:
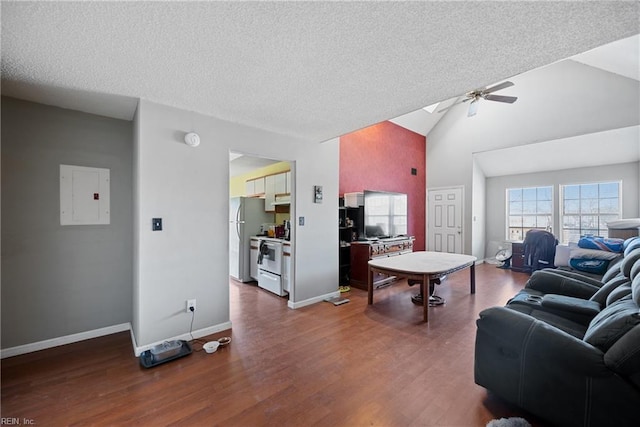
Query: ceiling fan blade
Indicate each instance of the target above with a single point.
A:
(473, 108)
(502, 98)
(497, 87)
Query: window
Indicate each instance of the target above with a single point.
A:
(586, 209)
(528, 208)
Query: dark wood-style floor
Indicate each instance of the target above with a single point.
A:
(324, 365)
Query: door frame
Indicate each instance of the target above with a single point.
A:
(292, 213)
(462, 214)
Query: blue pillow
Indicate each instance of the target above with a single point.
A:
(595, 266)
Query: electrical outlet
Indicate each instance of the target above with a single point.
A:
(191, 303)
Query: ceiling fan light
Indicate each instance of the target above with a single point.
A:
(473, 108)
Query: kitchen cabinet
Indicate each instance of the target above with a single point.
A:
(269, 193)
(259, 185)
(276, 188)
(280, 181)
(254, 247)
(255, 187)
(286, 267)
(287, 180)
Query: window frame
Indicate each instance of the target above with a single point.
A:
(602, 232)
(523, 227)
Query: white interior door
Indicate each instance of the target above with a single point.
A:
(444, 220)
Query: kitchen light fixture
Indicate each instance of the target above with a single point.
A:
(192, 139)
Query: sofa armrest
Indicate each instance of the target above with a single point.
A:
(548, 282)
(568, 304)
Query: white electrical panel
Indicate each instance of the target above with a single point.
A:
(84, 195)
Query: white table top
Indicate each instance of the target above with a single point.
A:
(423, 262)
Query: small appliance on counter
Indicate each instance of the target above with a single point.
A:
(267, 229)
(287, 229)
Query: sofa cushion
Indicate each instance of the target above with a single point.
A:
(627, 262)
(635, 270)
(613, 270)
(612, 323)
(561, 258)
(635, 290)
(619, 293)
(603, 293)
(631, 241)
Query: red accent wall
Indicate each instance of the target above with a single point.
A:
(380, 157)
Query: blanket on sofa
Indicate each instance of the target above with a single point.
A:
(601, 244)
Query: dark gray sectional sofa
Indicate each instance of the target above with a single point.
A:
(571, 357)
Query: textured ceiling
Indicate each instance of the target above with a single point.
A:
(315, 70)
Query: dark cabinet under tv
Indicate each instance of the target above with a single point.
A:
(350, 222)
(363, 251)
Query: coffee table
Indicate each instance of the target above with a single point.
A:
(424, 266)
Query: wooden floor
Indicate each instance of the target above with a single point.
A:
(322, 365)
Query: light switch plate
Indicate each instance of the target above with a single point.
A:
(317, 193)
(156, 224)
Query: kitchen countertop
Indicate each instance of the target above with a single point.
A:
(271, 239)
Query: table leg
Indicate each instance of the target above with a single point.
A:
(370, 286)
(473, 278)
(425, 297)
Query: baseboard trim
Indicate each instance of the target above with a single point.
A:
(313, 300)
(67, 339)
(196, 334)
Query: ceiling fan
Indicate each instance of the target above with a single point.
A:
(476, 95)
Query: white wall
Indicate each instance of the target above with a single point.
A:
(562, 100)
(188, 188)
(315, 243)
(496, 187)
(479, 212)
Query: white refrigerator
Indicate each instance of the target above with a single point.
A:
(246, 215)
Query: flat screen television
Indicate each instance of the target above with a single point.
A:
(385, 214)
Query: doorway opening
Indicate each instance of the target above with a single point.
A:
(261, 193)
